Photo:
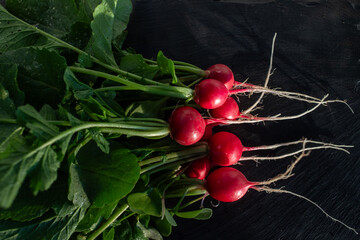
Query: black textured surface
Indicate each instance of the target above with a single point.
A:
(317, 52)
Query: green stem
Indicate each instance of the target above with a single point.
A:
(169, 164)
(175, 62)
(191, 202)
(169, 91)
(197, 71)
(125, 73)
(187, 78)
(115, 88)
(195, 82)
(110, 77)
(157, 133)
(176, 155)
(77, 148)
(142, 120)
(108, 222)
(8, 120)
(186, 64)
(180, 105)
(106, 126)
(126, 217)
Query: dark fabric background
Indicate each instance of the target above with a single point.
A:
(317, 52)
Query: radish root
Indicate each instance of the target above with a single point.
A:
(303, 141)
(274, 190)
(262, 186)
(289, 95)
(254, 119)
(266, 79)
(243, 87)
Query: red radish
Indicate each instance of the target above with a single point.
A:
(199, 169)
(210, 93)
(221, 73)
(229, 110)
(225, 148)
(186, 125)
(208, 131)
(227, 184)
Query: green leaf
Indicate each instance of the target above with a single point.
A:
(45, 172)
(166, 66)
(201, 214)
(138, 233)
(40, 74)
(7, 111)
(38, 125)
(104, 178)
(147, 233)
(15, 33)
(87, 7)
(145, 109)
(148, 202)
(94, 215)
(163, 226)
(170, 218)
(135, 63)
(77, 194)
(58, 18)
(109, 235)
(8, 78)
(14, 166)
(48, 112)
(85, 60)
(95, 109)
(17, 158)
(27, 207)
(107, 99)
(100, 140)
(124, 231)
(80, 90)
(52, 228)
(110, 20)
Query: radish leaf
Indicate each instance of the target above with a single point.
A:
(103, 178)
(40, 74)
(148, 202)
(201, 214)
(53, 17)
(135, 63)
(166, 66)
(8, 78)
(110, 20)
(59, 227)
(20, 34)
(94, 215)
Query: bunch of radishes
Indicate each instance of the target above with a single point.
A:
(187, 127)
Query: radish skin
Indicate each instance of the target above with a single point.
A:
(221, 73)
(186, 125)
(225, 149)
(199, 168)
(229, 110)
(210, 94)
